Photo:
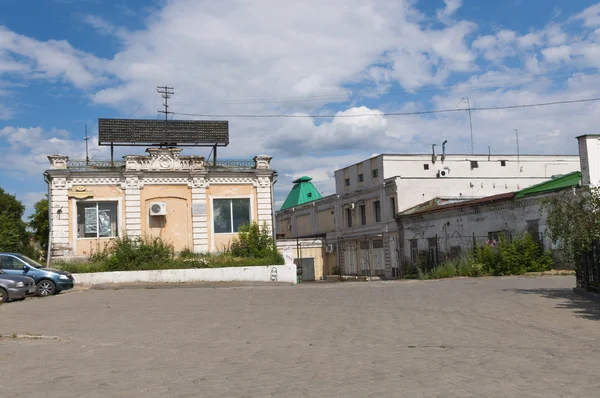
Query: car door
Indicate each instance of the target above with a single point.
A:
(12, 265)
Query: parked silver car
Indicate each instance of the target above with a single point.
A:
(15, 287)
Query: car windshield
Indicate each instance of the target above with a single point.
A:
(30, 261)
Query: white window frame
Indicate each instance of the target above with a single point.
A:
(74, 226)
(212, 216)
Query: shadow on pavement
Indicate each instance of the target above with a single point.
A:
(582, 306)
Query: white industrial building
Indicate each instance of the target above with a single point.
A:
(359, 221)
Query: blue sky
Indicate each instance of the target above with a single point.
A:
(66, 63)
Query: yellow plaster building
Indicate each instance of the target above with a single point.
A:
(185, 200)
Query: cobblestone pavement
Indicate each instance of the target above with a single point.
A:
(489, 337)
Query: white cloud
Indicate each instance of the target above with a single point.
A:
(590, 16)
(557, 54)
(450, 7)
(105, 28)
(29, 148)
(53, 59)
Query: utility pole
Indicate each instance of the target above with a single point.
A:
(166, 93)
(87, 154)
(518, 154)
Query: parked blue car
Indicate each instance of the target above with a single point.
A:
(48, 281)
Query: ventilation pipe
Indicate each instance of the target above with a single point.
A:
(444, 150)
(433, 153)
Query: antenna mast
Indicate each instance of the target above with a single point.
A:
(87, 154)
(470, 120)
(166, 93)
(518, 154)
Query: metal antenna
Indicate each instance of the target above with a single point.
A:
(470, 121)
(166, 93)
(87, 154)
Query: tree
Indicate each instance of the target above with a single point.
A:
(574, 221)
(39, 223)
(13, 233)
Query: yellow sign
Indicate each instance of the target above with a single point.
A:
(80, 192)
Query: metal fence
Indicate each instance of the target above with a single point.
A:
(588, 270)
(428, 253)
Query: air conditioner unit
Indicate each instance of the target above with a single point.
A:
(158, 209)
(352, 205)
(445, 172)
(330, 249)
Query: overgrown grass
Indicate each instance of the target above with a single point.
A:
(461, 266)
(137, 254)
(517, 257)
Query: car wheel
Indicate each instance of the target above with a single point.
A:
(45, 288)
(3, 296)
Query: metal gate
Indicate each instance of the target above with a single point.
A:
(350, 259)
(365, 258)
(394, 264)
(378, 258)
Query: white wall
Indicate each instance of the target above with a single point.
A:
(589, 154)
(456, 227)
(413, 191)
(284, 273)
(459, 166)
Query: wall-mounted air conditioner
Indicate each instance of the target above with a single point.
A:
(352, 205)
(330, 248)
(158, 209)
(445, 172)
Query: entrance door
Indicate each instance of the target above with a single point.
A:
(308, 268)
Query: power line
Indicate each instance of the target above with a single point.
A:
(425, 89)
(391, 113)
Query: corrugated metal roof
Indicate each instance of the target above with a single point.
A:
(560, 182)
(487, 199)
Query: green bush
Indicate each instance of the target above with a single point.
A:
(517, 257)
(135, 254)
(254, 242)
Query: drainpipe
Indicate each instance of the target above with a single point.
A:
(49, 248)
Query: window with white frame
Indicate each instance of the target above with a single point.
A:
(97, 219)
(230, 215)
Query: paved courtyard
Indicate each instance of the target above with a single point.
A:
(490, 337)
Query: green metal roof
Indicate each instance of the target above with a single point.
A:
(302, 192)
(556, 183)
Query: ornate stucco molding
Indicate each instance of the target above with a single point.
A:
(164, 159)
(263, 162)
(58, 162)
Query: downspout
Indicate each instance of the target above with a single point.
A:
(49, 248)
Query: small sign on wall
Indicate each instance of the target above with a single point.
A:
(288, 256)
(199, 208)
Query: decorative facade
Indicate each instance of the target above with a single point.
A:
(185, 200)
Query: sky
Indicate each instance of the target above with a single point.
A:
(66, 63)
